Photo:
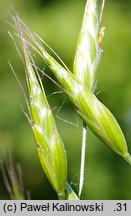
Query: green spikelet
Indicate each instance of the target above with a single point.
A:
(88, 51)
(99, 119)
(49, 144)
(93, 112)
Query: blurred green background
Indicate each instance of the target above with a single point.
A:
(107, 176)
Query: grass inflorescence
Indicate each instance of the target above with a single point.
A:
(79, 85)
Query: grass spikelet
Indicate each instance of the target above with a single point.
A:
(88, 51)
(93, 112)
(49, 144)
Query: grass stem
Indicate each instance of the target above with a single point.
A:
(83, 152)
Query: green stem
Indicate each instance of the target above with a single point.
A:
(83, 152)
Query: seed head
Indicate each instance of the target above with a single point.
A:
(49, 144)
